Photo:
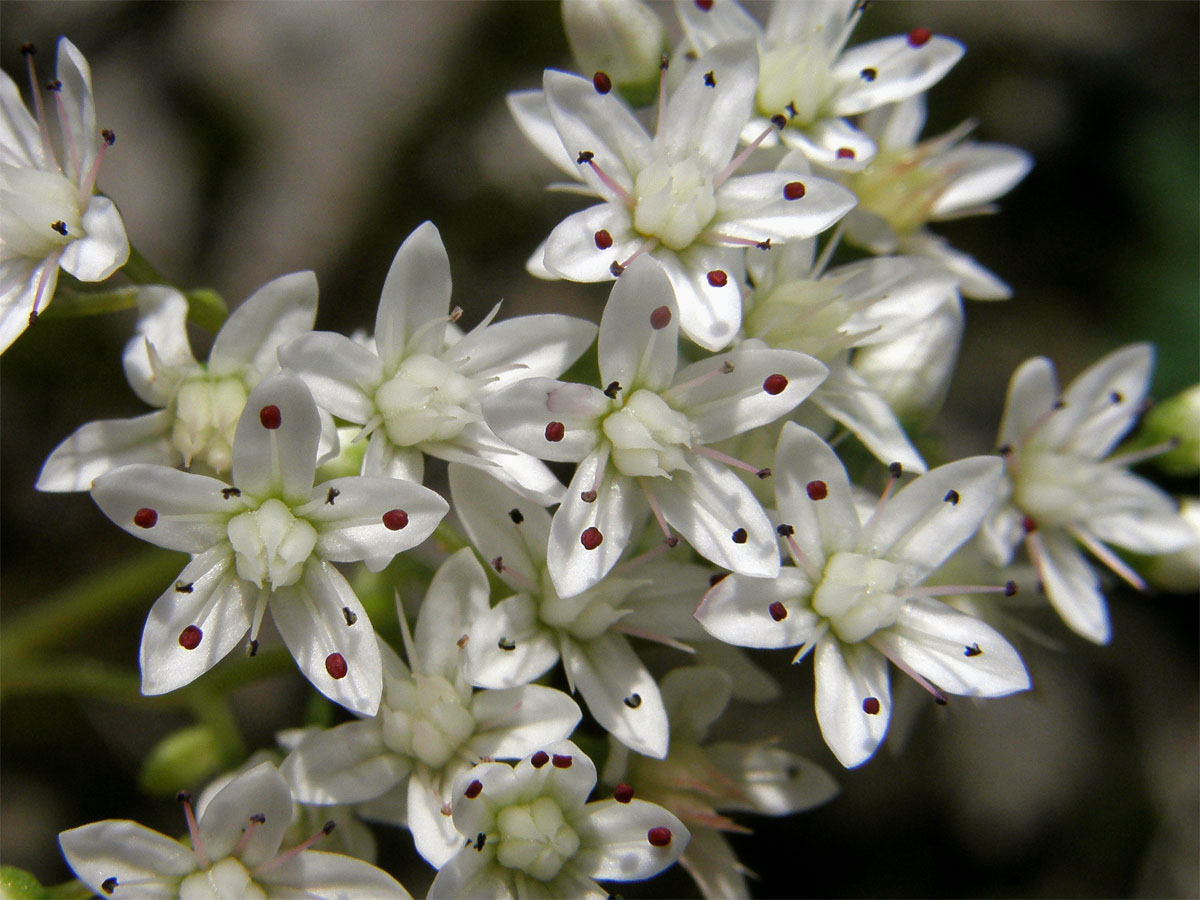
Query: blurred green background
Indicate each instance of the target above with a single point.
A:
(255, 139)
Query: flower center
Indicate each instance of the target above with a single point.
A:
(675, 201)
(271, 544)
(795, 74)
(856, 595)
(206, 416)
(587, 615)
(1054, 488)
(899, 187)
(806, 315)
(648, 437)
(39, 211)
(535, 838)
(425, 401)
(424, 718)
(227, 878)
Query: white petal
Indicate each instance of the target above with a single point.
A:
(982, 172)
(613, 842)
(847, 675)
(532, 116)
(850, 399)
(631, 350)
(708, 858)
(975, 281)
(311, 618)
(615, 510)
(897, 125)
(436, 838)
(1072, 586)
(1103, 402)
(1001, 531)
(415, 293)
(470, 875)
(511, 622)
(826, 141)
(351, 516)
(159, 354)
(1138, 516)
(608, 675)
(191, 511)
(525, 346)
(477, 445)
(208, 595)
(317, 874)
(484, 507)
(99, 447)
(475, 814)
(892, 295)
(277, 461)
(20, 139)
(515, 722)
(457, 595)
(901, 71)
(738, 610)
(774, 781)
(146, 864)
(571, 251)
(709, 506)
(939, 643)
(19, 279)
(704, 120)
(251, 337)
(751, 682)
(341, 373)
(258, 791)
(720, 23)
(731, 403)
(822, 526)
(710, 314)
(521, 412)
(79, 106)
(569, 785)
(755, 207)
(819, 22)
(103, 249)
(346, 764)
(384, 459)
(694, 697)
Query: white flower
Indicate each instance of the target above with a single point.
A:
(671, 197)
(1061, 493)
(525, 634)
(49, 214)
(853, 592)
(642, 440)
(804, 68)
(529, 832)
(430, 727)
(698, 779)
(234, 852)
(268, 539)
(199, 403)
(909, 184)
(419, 391)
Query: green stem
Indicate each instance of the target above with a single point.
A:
(139, 269)
(69, 303)
(211, 708)
(79, 677)
(205, 306)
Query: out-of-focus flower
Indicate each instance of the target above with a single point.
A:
(619, 40)
(50, 216)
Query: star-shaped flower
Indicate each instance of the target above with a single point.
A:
(805, 68)
(50, 217)
(642, 440)
(1061, 493)
(673, 196)
(909, 184)
(419, 390)
(697, 780)
(269, 538)
(200, 403)
(234, 852)
(853, 592)
(529, 832)
(431, 726)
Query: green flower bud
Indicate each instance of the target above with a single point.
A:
(1179, 572)
(17, 884)
(1176, 419)
(624, 39)
(184, 757)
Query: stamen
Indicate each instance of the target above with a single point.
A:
(1008, 589)
(1133, 457)
(473, 789)
(614, 388)
(561, 761)
(845, 153)
(193, 830)
(661, 113)
(28, 51)
(656, 509)
(255, 820)
(870, 706)
(350, 616)
(740, 536)
(395, 519)
(623, 793)
(587, 158)
(516, 516)
(190, 637)
(60, 226)
(660, 318)
(55, 87)
(972, 650)
(726, 368)
(294, 852)
(602, 83)
(918, 37)
(633, 701)
(88, 184)
(810, 567)
(710, 79)
(775, 384)
(778, 611)
(644, 634)
(539, 759)
(335, 665)
(603, 239)
(591, 538)
(736, 162)
(659, 837)
(718, 278)
(816, 490)
(715, 236)
(555, 432)
(145, 517)
(618, 267)
(794, 190)
(270, 417)
(938, 694)
(732, 461)
(332, 495)
(868, 74)
(1108, 557)
(48, 266)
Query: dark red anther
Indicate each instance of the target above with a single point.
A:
(716, 578)
(585, 156)
(539, 759)
(1029, 525)
(587, 496)
(740, 536)
(591, 538)
(816, 490)
(871, 706)
(603, 239)
(190, 637)
(473, 789)
(602, 83)
(895, 470)
(919, 37)
(775, 384)
(868, 74)
(778, 611)
(335, 665)
(54, 85)
(28, 49)
(793, 190)
(660, 318)
(60, 226)
(717, 278)
(951, 497)
(710, 79)
(270, 417)
(145, 517)
(395, 519)
(845, 153)
(1010, 588)
(110, 136)
(660, 836)
(561, 761)
(555, 432)
(785, 530)
(623, 793)
(615, 269)
(779, 120)
(702, 5)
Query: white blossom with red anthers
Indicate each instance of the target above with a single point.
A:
(909, 184)
(268, 539)
(674, 196)
(642, 440)
(200, 403)
(398, 767)
(1062, 494)
(805, 69)
(50, 215)
(854, 591)
(235, 852)
(698, 780)
(529, 832)
(418, 391)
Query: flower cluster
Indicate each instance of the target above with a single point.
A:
(742, 472)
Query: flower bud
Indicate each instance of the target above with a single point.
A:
(622, 38)
(1179, 572)
(185, 757)
(1176, 419)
